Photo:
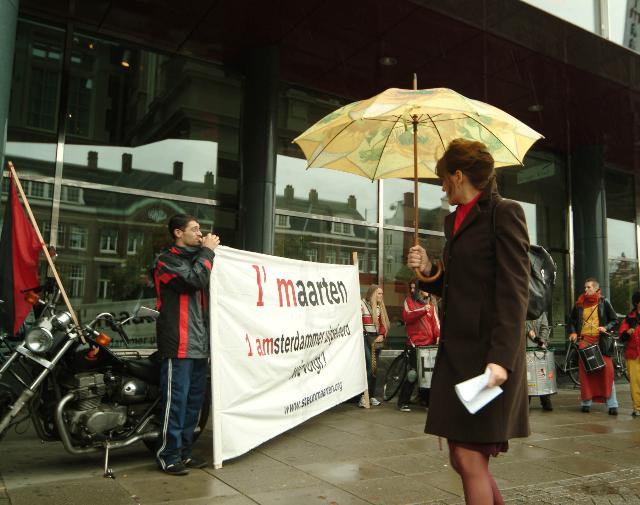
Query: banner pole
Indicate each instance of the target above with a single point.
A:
(214, 344)
(45, 250)
(367, 403)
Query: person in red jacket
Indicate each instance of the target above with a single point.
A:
(423, 328)
(630, 333)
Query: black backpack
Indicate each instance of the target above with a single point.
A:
(541, 281)
(542, 277)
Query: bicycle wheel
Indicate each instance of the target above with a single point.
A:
(622, 364)
(395, 377)
(572, 366)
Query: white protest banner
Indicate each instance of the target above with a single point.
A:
(286, 345)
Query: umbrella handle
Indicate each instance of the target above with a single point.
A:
(425, 278)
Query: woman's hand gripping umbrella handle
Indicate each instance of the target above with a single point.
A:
(426, 278)
(419, 261)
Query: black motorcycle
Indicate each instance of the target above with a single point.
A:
(74, 389)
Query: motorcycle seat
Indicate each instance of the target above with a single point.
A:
(145, 369)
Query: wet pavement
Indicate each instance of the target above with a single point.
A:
(350, 456)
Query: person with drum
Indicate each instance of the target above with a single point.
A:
(630, 334)
(537, 332)
(423, 328)
(484, 290)
(591, 316)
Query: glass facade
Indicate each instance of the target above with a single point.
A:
(540, 186)
(318, 213)
(110, 149)
(110, 138)
(622, 250)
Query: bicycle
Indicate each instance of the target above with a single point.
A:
(570, 364)
(396, 375)
(619, 361)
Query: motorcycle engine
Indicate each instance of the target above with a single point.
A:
(88, 415)
(130, 391)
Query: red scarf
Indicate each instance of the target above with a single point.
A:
(585, 300)
(462, 210)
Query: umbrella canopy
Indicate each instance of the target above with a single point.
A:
(374, 138)
(402, 133)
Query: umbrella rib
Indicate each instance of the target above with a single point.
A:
(496, 137)
(327, 144)
(383, 147)
(437, 131)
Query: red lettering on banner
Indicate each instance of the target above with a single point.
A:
(287, 285)
(259, 281)
(250, 353)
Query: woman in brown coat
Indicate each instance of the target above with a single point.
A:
(484, 292)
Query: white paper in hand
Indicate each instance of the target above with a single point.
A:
(474, 393)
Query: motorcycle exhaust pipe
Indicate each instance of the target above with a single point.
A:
(65, 437)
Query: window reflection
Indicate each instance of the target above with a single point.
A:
(141, 119)
(540, 188)
(324, 192)
(313, 240)
(398, 204)
(396, 275)
(621, 239)
(106, 254)
(35, 98)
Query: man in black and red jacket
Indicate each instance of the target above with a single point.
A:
(182, 281)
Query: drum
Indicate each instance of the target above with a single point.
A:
(591, 358)
(541, 371)
(426, 361)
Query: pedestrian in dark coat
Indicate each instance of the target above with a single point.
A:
(484, 292)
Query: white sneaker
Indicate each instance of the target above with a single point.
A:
(374, 401)
(361, 403)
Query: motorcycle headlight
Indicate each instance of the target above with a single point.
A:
(39, 339)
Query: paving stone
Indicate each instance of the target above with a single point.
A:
(350, 457)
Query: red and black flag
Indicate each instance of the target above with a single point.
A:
(19, 250)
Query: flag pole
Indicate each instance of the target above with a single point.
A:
(45, 250)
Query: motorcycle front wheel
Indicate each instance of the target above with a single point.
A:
(7, 398)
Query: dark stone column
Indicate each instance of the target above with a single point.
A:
(8, 24)
(258, 155)
(589, 217)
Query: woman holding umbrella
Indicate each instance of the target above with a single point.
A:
(484, 290)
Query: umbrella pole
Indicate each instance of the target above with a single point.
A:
(416, 238)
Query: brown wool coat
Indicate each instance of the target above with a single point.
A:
(484, 292)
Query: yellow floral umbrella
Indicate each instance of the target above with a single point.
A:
(402, 133)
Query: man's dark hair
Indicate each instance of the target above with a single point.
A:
(179, 222)
(635, 299)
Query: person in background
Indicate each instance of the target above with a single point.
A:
(591, 316)
(630, 334)
(537, 332)
(182, 277)
(484, 290)
(423, 328)
(375, 322)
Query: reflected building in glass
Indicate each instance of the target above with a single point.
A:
(118, 117)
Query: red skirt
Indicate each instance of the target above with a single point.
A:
(597, 385)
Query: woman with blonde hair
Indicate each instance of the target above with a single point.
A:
(375, 322)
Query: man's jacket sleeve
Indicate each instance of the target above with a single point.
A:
(181, 276)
